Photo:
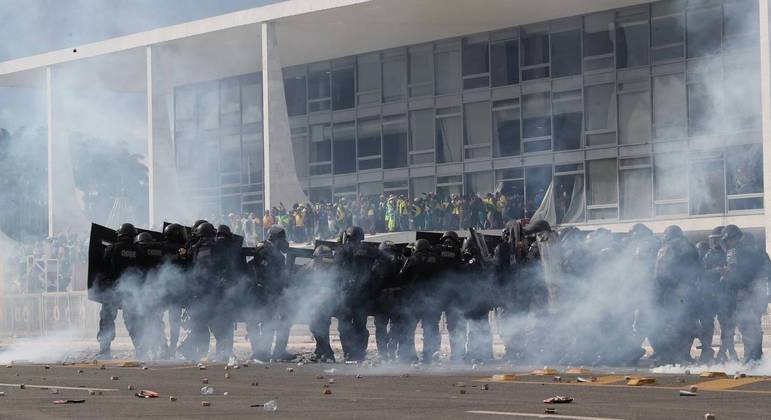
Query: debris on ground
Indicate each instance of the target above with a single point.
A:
(271, 405)
(329, 371)
(290, 370)
(319, 377)
(146, 393)
(114, 378)
(255, 383)
(69, 401)
(358, 376)
(709, 416)
(550, 410)
(207, 390)
(54, 391)
(201, 366)
(740, 375)
(204, 381)
(558, 399)
(205, 404)
(225, 394)
(405, 375)
(227, 376)
(80, 370)
(462, 392)
(684, 393)
(460, 384)
(92, 392)
(713, 374)
(584, 380)
(485, 387)
(130, 387)
(331, 381)
(327, 392)
(46, 367)
(693, 388)
(2, 394)
(22, 386)
(172, 398)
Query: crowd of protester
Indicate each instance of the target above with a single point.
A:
(26, 263)
(306, 222)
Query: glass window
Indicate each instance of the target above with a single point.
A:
(566, 53)
(535, 56)
(742, 93)
(598, 41)
(634, 119)
(670, 177)
(422, 136)
(368, 142)
(632, 40)
(184, 103)
(343, 88)
(321, 149)
(537, 180)
(476, 63)
(704, 32)
(669, 106)
(344, 148)
(395, 143)
(744, 169)
(536, 118)
(602, 183)
(321, 195)
(600, 105)
(741, 17)
(209, 107)
(368, 78)
(370, 189)
(504, 58)
(394, 78)
(569, 200)
(251, 103)
(296, 95)
(421, 73)
(449, 137)
(318, 90)
(703, 116)
(230, 103)
(707, 187)
(668, 30)
(478, 183)
(506, 137)
(477, 130)
(230, 153)
(636, 194)
(568, 120)
(300, 152)
(447, 72)
(421, 186)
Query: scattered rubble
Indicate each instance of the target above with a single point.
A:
(207, 390)
(205, 404)
(709, 416)
(172, 398)
(146, 393)
(69, 401)
(558, 399)
(684, 393)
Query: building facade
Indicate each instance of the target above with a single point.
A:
(640, 113)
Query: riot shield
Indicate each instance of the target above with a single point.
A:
(551, 261)
(101, 237)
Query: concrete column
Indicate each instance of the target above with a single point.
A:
(765, 91)
(280, 184)
(49, 123)
(150, 143)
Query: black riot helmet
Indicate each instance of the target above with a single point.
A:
(126, 231)
(206, 230)
(388, 246)
(732, 233)
(277, 236)
(175, 233)
(354, 234)
(639, 230)
(450, 236)
(672, 232)
(223, 231)
(143, 238)
(716, 233)
(422, 245)
(323, 253)
(195, 227)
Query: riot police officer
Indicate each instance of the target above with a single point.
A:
(745, 273)
(175, 290)
(386, 299)
(120, 258)
(318, 277)
(353, 260)
(208, 309)
(142, 302)
(265, 316)
(677, 267)
(709, 297)
(421, 271)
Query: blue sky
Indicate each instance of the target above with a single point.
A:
(30, 27)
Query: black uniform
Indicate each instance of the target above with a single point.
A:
(209, 307)
(479, 344)
(708, 301)
(353, 260)
(176, 296)
(265, 316)
(386, 301)
(677, 267)
(451, 291)
(318, 277)
(421, 272)
(746, 274)
(121, 259)
(146, 300)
